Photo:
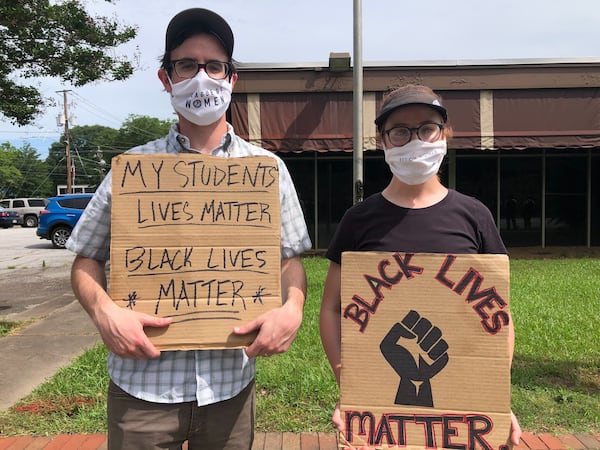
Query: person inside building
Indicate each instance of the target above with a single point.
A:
(415, 213)
(205, 397)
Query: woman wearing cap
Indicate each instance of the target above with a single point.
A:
(414, 213)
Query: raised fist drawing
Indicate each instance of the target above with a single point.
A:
(415, 376)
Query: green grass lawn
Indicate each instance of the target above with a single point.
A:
(555, 377)
(556, 367)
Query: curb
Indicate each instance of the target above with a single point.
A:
(286, 441)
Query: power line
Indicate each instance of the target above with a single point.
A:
(101, 113)
(109, 115)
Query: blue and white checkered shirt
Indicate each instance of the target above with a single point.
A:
(205, 376)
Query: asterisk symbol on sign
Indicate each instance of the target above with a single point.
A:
(131, 300)
(258, 296)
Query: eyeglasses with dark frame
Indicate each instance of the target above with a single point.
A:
(427, 132)
(188, 68)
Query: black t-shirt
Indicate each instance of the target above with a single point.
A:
(458, 224)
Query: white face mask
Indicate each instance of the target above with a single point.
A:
(417, 161)
(201, 100)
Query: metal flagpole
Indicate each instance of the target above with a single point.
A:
(357, 85)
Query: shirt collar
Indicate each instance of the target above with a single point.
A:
(224, 148)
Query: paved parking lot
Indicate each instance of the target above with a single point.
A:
(21, 248)
(33, 275)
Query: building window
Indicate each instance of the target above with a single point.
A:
(566, 199)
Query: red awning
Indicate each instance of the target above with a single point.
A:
(547, 118)
(298, 122)
(514, 119)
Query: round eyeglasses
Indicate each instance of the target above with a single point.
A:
(427, 132)
(188, 68)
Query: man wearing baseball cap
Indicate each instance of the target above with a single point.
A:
(206, 397)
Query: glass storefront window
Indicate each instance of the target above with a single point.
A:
(521, 200)
(334, 185)
(516, 198)
(595, 201)
(566, 208)
(377, 173)
(477, 176)
(302, 171)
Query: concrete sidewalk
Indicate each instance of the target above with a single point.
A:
(61, 331)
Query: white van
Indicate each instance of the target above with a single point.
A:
(28, 208)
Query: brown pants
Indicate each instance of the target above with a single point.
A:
(135, 424)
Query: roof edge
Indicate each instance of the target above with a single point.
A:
(324, 65)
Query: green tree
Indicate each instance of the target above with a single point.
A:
(138, 130)
(10, 176)
(56, 39)
(22, 173)
(88, 145)
(93, 147)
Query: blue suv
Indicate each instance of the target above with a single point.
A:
(59, 217)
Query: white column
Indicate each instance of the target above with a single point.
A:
(486, 119)
(254, 129)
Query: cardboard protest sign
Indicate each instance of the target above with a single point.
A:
(425, 350)
(196, 238)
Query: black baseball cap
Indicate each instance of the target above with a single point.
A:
(411, 95)
(199, 19)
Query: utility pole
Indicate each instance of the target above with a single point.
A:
(67, 144)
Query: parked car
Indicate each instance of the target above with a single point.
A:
(9, 218)
(28, 208)
(60, 216)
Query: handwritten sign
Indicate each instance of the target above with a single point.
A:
(425, 350)
(196, 238)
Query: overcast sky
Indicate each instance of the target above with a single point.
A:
(294, 31)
